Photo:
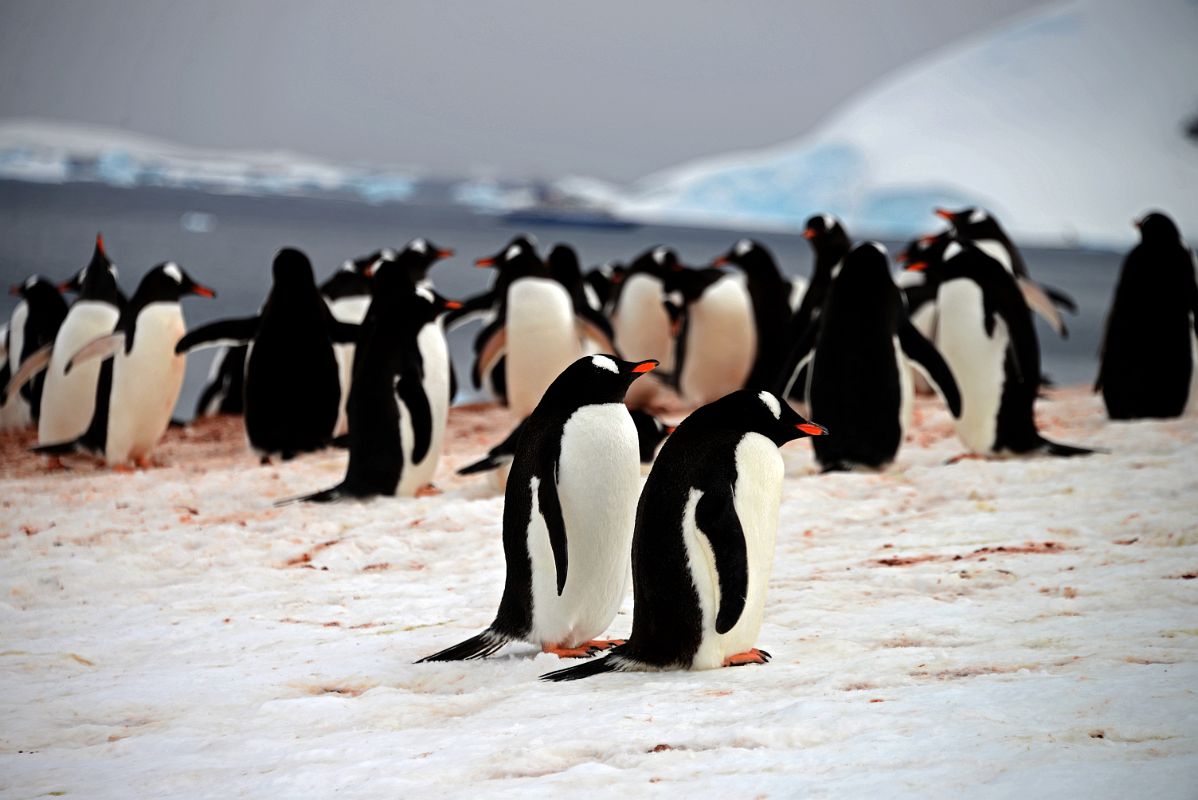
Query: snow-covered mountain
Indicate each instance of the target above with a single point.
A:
(1065, 123)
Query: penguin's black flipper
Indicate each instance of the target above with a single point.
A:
(410, 389)
(343, 332)
(550, 506)
(230, 332)
(931, 363)
(715, 516)
(591, 668)
(475, 305)
(480, 646)
(56, 448)
(1060, 299)
(1065, 450)
(37, 361)
(497, 455)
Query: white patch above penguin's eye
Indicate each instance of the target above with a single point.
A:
(512, 252)
(424, 292)
(743, 247)
(977, 215)
(771, 403)
(31, 282)
(881, 248)
(418, 245)
(829, 221)
(387, 254)
(954, 249)
(172, 271)
(603, 362)
(659, 255)
(112, 269)
(347, 266)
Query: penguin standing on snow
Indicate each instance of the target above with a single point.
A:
(717, 340)
(704, 541)
(33, 325)
(568, 515)
(830, 243)
(980, 227)
(1147, 361)
(770, 293)
(399, 403)
(291, 383)
(986, 336)
(859, 379)
(69, 401)
(147, 375)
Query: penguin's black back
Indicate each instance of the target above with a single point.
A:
(47, 310)
(855, 385)
(1147, 361)
(292, 388)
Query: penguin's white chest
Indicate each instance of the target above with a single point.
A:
(977, 361)
(145, 384)
(352, 310)
(598, 482)
(721, 342)
(435, 356)
(68, 401)
(757, 499)
(541, 340)
(641, 324)
(16, 413)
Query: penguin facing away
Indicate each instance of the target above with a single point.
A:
(1147, 364)
(291, 383)
(704, 541)
(986, 336)
(69, 401)
(33, 325)
(770, 293)
(568, 515)
(146, 373)
(399, 403)
(859, 377)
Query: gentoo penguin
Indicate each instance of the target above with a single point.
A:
(146, 373)
(535, 327)
(563, 266)
(490, 307)
(770, 293)
(1147, 361)
(718, 339)
(603, 282)
(33, 325)
(650, 432)
(859, 377)
(642, 323)
(224, 390)
(399, 403)
(830, 244)
(291, 384)
(985, 333)
(980, 227)
(704, 541)
(568, 515)
(69, 401)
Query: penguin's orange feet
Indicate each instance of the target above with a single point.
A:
(145, 462)
(584, 650)
(122, 468)
(428, 490)
(964, 457)
(753, 656)
(603, 644)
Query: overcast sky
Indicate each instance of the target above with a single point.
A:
(615, 89)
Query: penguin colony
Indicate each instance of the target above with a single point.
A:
(585, 360)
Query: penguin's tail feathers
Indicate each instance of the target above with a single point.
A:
(480, 646)
(327, 496)
(1065, 450)
(56, 448)
(482, 465)
(612, 663)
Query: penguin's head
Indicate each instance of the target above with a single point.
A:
(593, 380)
(167, 283)
(867, 264)
(657, 261)
(973, 222)
(747, 254)
(691, 283)
(418, 256)
(927, 253)
(826, 234)
(749, 411)
(96, 281)
(292, 269)
(35, 288)
(563, 265)
(650, 432)
(1155, 226)
(518, 258)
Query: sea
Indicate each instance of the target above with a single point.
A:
(227, 242)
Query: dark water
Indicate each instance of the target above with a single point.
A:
(50, 229)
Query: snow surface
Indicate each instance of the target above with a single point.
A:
(1066, 123)
(986, 629)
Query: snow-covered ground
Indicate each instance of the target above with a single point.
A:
(986, 629)
(1066, 123)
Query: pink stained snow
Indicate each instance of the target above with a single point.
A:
(989, 629)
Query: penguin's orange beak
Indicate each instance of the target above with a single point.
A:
(452, 305)
(645, 366)
(447, 253)
(202, 291)
(15, 290)
(100, 243)
(811, 429)
(670, 429)
(944, 213)
(808, 234)
(927, 240)
(720, 262)
(918, 266)
(489, 261)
